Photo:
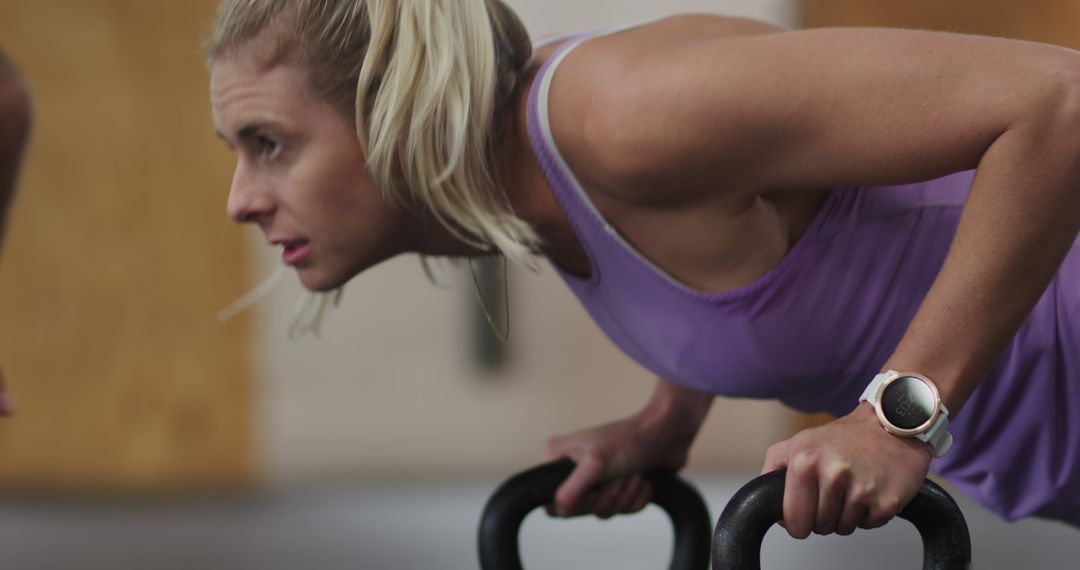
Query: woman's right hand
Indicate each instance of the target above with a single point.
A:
(612, 458)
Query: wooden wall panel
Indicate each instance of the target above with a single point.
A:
(1050, 21)
(118, 256)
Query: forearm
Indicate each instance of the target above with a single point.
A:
(14, 129)
(1021, 218)
(677, 409)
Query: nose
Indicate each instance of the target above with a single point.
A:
(248, 201)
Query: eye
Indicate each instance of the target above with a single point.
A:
(267, 147)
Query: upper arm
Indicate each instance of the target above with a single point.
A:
(813, 108)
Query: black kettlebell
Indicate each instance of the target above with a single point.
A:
(759, 504)
(519, 495)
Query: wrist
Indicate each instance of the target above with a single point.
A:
(675, 410)
(866, 417)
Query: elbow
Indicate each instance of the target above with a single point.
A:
(16, 111)
(1054, 111)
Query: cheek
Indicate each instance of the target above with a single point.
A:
(339, 197)
(352, 211)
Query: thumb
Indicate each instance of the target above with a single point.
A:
(569, 496)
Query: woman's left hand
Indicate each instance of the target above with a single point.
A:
(846, 474)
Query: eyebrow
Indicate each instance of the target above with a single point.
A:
(245, 132)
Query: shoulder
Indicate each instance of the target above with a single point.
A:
(609, 96)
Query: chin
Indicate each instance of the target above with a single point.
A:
(321, 282)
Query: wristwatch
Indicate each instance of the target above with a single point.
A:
(908, 405)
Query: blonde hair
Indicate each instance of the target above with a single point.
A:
(427, 81)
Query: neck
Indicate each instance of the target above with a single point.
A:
(432, 237)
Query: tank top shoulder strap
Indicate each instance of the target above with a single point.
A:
(587, 222)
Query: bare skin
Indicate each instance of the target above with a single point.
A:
(14, 130)
(707, 142)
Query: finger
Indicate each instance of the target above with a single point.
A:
(831, 494)
(643, 497)
(607, 497)
(775, 457)
(624, 502)
(569, 495)
(852, 517)
(6, 408)
(584, 505)
(800, 498)
(628, 499)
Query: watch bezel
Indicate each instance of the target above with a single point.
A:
(893, 428)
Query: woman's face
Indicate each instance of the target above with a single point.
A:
(300, 173)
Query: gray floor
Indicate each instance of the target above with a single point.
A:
(413, 526)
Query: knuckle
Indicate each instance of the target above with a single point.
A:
(890, 505)
(599, 452)
(836, 478)
(881, 513)
(776, 455)
(804, 464)
(839, 470)
(860, 495)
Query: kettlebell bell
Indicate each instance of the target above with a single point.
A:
(519, 495)
(760, 503)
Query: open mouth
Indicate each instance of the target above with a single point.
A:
(295, 251)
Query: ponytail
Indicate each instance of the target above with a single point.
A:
(435, 76)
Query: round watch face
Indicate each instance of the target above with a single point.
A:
(908, 402)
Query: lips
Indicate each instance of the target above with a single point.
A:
(294, 250)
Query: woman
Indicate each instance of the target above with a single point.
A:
(14, 130)
(744, 210)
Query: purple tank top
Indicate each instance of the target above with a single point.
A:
(815, 328)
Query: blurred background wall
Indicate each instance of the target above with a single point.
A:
(117, 258)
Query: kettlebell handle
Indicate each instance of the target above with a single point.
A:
(519, 495)
(759, 504)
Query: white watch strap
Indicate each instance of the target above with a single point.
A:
(870, 393)
(937, 435)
